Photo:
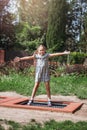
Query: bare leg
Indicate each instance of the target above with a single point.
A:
(35, 89)
(47, 85)
(33, 93)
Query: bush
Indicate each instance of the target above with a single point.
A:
(76, 69)
(77, 58)
(28, 36)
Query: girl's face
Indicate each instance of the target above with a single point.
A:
(41, 50)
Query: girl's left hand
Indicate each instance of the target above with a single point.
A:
(16, 59)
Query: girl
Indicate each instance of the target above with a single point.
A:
(42, 70)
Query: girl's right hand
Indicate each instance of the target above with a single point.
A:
(16, 59)
(67, 52)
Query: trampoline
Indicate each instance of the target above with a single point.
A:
(41, 105)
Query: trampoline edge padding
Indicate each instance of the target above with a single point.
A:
(14, 102)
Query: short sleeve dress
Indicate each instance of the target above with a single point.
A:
(42, 68)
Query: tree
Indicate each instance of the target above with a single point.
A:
(56, 25)
(83, 37)
(6, 25)
(3, 3)
(27, 37)
(35, 12)
(76, 24)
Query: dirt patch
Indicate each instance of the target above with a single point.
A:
(25, 116)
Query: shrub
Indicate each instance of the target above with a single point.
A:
(77, 69)
(77, 58)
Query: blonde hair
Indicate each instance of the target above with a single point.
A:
(41, 46)
(36, 51)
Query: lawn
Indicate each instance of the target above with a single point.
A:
(64, 85)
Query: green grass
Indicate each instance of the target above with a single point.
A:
(64, 85)
(50, 125)
(70, 85)
(17, 82)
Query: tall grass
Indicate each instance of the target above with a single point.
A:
(65, 85)
(70, 85)
(17, 82)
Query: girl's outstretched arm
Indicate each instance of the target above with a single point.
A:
(17, 59)
(59, 54)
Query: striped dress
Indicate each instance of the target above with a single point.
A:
(42, 68)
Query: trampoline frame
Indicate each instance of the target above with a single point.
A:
(14, 102)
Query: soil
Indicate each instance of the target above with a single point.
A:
(24, 116)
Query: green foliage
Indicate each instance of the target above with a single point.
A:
(1, 128)
(14, 125)
(49, 125)
(56, 25)
(72, 58)
(34, 12)
(77, 57)
(11, 125)
(66, 125)
(32, 126)
(28, 36)
(70, 85)
(83, 40)
(15, 83)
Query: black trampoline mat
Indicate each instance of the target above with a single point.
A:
(44, 104)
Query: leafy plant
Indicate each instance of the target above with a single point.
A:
(77, 57)
(28, 36)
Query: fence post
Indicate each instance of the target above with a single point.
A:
(2, 55)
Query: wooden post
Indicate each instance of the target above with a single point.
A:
(2, 54)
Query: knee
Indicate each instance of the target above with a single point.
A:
(37, 84)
